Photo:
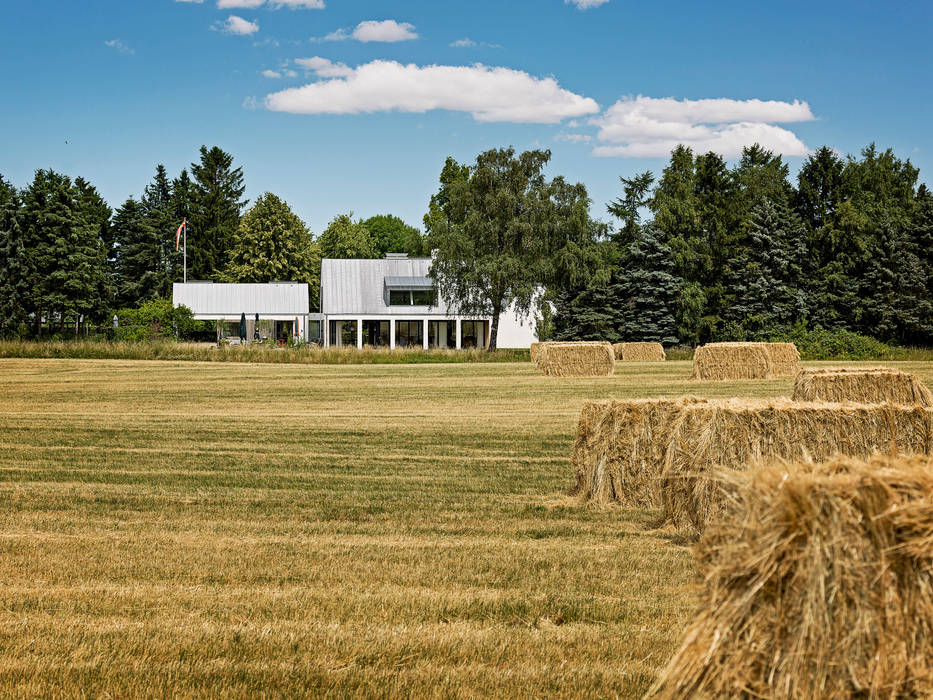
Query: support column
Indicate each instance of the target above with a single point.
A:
(459, 336)
(359, 333)
(424, 335)
(392, 334)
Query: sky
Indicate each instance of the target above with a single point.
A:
(353, 105)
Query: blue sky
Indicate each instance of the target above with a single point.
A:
(356, 104)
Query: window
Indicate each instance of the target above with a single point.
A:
(424, 297)
(473, 334)
(409, 334)
(399, 297)
(376, 333)
(442, 334)
(343, 333)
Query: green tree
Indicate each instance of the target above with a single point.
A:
(502, 233)
(345, 238)
(139, 272)
(392, 235)
(14, 272)
(182, 195)
(272, 243)
(158, 206)
(215, 212)
(635, 196)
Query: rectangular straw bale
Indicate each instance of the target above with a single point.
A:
(785, 359)
(816, 582)
(536, 349)
(736, 433)
(586, 359)
(718, 361)
(861, 385)
(639, 352)
(620, 448)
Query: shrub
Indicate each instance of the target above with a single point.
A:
(155, 320)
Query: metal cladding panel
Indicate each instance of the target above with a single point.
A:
(409, 283)
(357, 286)
(275, 298)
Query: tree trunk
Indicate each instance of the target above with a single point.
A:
(494, 328)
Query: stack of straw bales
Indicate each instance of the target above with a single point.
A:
(717, 361)
(620, 449)
(816, 583)
(738, 433)
(535, 350)
(862, 385)
(639, 352)
(650, 453)
(576, 359)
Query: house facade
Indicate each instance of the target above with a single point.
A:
(392, 302)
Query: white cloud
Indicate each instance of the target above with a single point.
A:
(193, 1)
(271, 74)
(586, 4)
(325, 68)
(490, 94)
(463, 43)
(249, 4)
(573, 138)
(120, 46)
(237, 25)
(387, 31)
(652, 127)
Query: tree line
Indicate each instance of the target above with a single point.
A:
(707, 252)
(67, 255)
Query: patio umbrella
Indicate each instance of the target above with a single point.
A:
(256, 328)
(243, 327)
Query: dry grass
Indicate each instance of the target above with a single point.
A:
(187, 529)
(578, 359)
(862, 385)
(639, 352)
(816, 583)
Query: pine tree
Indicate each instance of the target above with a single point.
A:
(14, 273)
(158, 207)
(215, 212)
(645, 291)
(139, 272)
(272, 243)
(96, 214)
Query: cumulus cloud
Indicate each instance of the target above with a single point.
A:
(237, 25)
(586, 4)
(387, 30)
(120, 46)
(293, 4)
(652, 127)
(489, 94)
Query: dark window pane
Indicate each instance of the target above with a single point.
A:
(399, 297)
(425, 297)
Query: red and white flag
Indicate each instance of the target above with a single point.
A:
(178, 232)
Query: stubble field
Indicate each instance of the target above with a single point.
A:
(382, 530)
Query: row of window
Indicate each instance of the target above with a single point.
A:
(410, 334)
(412, 297)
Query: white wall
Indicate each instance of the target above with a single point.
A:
(515, 332)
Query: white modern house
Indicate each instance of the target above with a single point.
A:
(392, 302)
(389, 302)
(282, 307)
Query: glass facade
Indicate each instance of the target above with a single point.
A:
(442, 334)
(343, 334)
(376, 333)
(473, 334)
(409, 334)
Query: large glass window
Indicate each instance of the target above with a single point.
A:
(376, 333)
(399, 297)
(473, 334)
(409, 334)
(343, 334)
(424, 297)
(442, 334)
(314, 332)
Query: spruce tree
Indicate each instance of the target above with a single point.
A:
(159, 211)
(139, 273)
(216, 203)
(14, 272)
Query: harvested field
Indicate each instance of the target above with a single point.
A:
(861, 385)
(577, 359)
(720, 361)
(619, 452)
(639, 352)
(186, 529)
(816, 582)
(737, 433)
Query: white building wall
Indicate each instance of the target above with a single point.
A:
(514, 331)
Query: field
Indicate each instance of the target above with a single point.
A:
(229, 529)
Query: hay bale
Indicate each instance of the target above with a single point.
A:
(862, 385)
(535, 350)
(585, 359)
(816, 583)
(620, 447)
(736, 433)
(719, 361)
(639, 352)
(785, 359)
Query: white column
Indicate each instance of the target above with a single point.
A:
(424, 336)
(359, 333)
(392, 334)
(459, 338)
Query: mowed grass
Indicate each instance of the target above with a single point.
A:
(380, 530)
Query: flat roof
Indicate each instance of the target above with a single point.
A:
(225, 300)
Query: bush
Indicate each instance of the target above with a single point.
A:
(154, 320)
(821, 344)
